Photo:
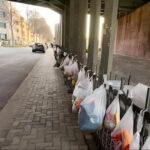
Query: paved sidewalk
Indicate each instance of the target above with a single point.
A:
(38, 116)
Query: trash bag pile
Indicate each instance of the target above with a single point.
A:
(114, 108)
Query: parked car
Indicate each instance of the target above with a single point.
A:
(38, 47)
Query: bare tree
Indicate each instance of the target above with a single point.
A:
(27, 13)
(10, 17)
(38, 25)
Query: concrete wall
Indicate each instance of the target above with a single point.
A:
(133, 36)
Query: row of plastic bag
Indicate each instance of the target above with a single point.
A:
(71, 69)
(122, 135)
(122, 130)
(70, 66)
(137, 93)
(93, 104)
(92, 113)
(138, 96)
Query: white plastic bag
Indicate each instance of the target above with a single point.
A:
(81, 75)
(90, 87)
(65, 54)
(115, 84)
(146, 146)
(58, 50)
(75, 69)
(112, 117)
(105, 78)
(138, 95)
(71, 68)
(83, 88)
(122, 135)
(92, 110)
(127, 88)
(65, 62)
(91, 96)
(140, 121)
(68, 69)
(135, 144)
(54, 48)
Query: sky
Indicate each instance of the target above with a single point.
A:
(51, 16)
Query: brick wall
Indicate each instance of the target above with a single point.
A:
(133, 36)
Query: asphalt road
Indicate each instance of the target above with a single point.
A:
(15, 64)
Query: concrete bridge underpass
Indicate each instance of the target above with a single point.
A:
(73, 27)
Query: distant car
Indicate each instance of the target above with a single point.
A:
(38, 47)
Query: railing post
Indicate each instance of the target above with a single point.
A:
(147, 104)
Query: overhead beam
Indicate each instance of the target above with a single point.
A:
(58, 2)
(47, 4)
(59, 5)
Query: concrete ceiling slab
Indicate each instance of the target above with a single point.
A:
(125, 6)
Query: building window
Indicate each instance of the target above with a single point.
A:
(3, 36)
(2, 25)
(2, 14)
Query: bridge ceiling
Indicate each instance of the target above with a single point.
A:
(57, 5)
(125, 6)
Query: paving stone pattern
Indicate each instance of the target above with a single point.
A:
(42, 117)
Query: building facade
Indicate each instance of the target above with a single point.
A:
(5, 35)
(14, 29)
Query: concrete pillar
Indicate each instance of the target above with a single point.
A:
(64, 28)
(115, 42)
(110, 14)
(147, 105)
(75, 26)
(95, 7)
(66, 24)
(77, 40)
(81, 46)
(71, 25)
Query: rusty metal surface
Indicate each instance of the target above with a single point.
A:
(133, 37)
